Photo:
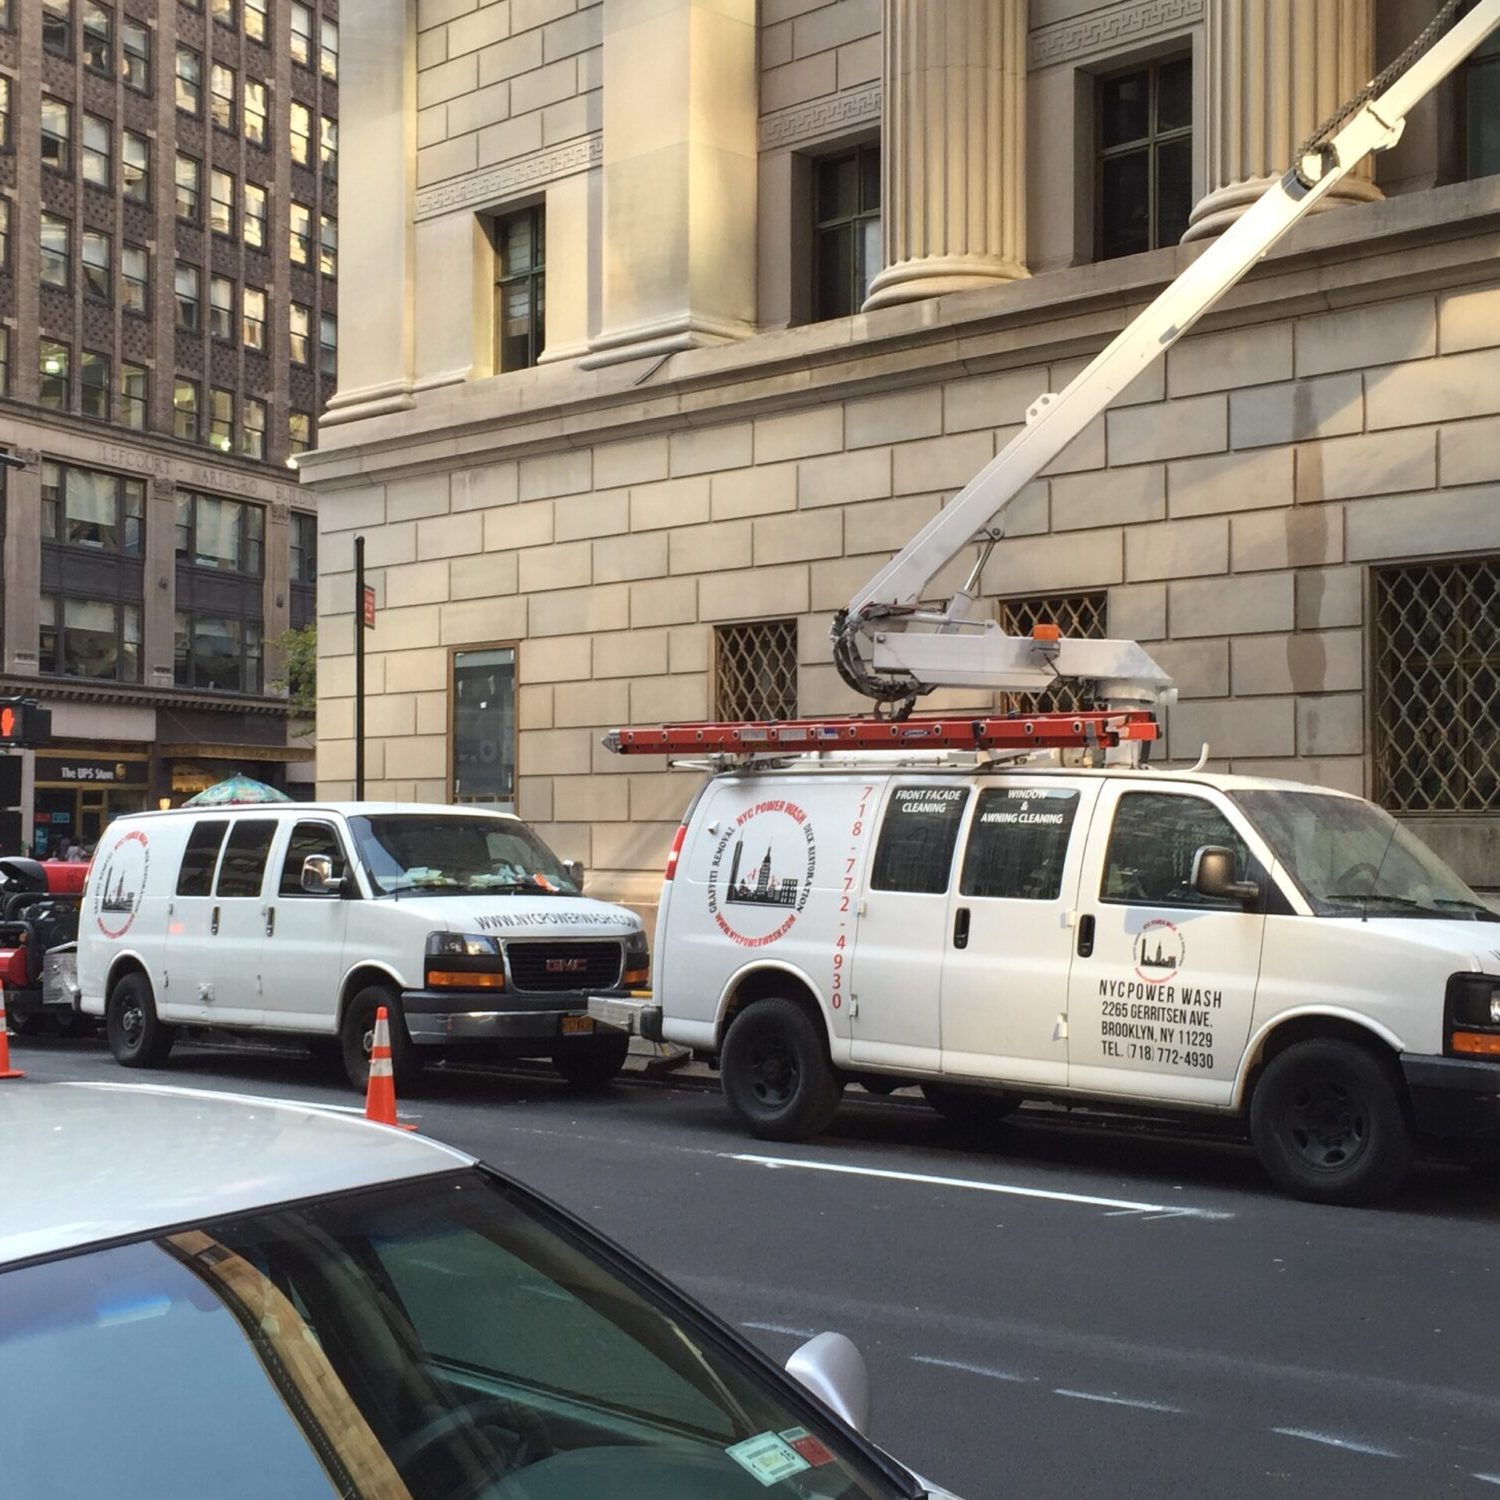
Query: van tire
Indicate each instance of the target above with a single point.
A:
(137, 1037)
(776, 1074)
(591, 1062)
(971, 1109)
(1329, 1125)
(358, 1030)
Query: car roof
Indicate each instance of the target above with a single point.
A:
(89, 1162)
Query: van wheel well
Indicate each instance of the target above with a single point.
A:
(356, 982)
(1307, 1028)
(772, 984)
(123, 967)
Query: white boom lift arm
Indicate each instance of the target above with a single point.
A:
(891, 648)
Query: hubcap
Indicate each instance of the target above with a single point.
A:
(773, 1073)
(1328, 1124)
(132, 1023)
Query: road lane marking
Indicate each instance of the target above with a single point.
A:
(1333, 1440)
(796, 1333)
(988, 1371)
(1139, 1405)
(1486, 1478)
(1011, 1190)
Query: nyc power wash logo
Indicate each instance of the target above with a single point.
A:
(762, 873)
(121, 883)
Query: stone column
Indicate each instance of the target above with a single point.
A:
(1276, 70)
(953, 143)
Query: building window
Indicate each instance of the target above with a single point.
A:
(217, 655)
(299, 132)
(189, 80)
(1145, 157)
(93, 385)
(89, 638)
(1482, 107)
(52, 368)
(135, 279)
(328, 345)
(189, 288)
(301, 325)
(98, 42)
(133, 397)
(846, 230)
(253, 436)
(185, 410)
(189, 188)
(221, 419)
(135, 44)
(255, 19)
(135, 167)
(253, 226)
(223, 12)
(484, 726)
(98, 155)
(328, 51)
(521, 289)
(220, 202)
(57, 135)
(254, 333)
(57, 26)
(298, 432)
(304, 547)
(4, 234)
(57, 251)
(255, 112)
(1436, 703)
(221, 91)
(755, 670)
(98, 280)
(328, 145)
(1079, 617)
(299, 41)
(224, 535)
(4, 113)
(301, 234)
(89, 508)
(328, 246)
(221, 307)
(4, 367)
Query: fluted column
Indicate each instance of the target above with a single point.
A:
(953, 144)
(1276, 70)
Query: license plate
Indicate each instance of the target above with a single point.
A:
(572, 1025)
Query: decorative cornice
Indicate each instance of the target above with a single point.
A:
(806, 122)
(509, 177)
(1106, 30)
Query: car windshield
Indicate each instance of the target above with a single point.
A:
(448, 1339)
(456, 855)
(1349, 858)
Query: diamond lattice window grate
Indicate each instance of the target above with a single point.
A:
(1081, 616)
(756, 675)
(1437, 687)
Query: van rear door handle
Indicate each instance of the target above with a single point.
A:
(213, 925)
(961, 927)
(1085, 937)
(270, 921)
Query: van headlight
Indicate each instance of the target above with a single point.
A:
(1472, 1015)
(464, 961)
(637, 960)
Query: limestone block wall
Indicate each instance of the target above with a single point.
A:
(816, 50)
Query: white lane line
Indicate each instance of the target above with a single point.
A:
(1333, 1440)
(986, 1370)
(1486, 1478)
(1117, 1400)
(1011, 1190)
(796, 1333)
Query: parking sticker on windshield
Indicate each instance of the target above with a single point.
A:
(808, 1446)
(768, 1458)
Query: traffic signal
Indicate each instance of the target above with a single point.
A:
(23, 721)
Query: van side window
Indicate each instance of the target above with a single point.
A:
(309, 838)
(1018, 843)
(196, 877)
(915, 852)
(245, 855)
(1151, 849)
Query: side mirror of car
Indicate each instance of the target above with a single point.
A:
(1213, 876)
(574, 870)
(833, 1369)
(318, 878)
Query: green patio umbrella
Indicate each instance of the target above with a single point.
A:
(236, 789)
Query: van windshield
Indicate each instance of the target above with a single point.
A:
(445, 854)
(1349, 858)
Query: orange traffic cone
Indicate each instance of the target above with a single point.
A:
(6, 1071)
(380, 1096)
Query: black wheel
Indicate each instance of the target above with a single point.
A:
(23, 1023)
(974, 1109)
(776, 1073)
(357, 1036)
(591, 1062)
(136, 1037)
(1328, 1123)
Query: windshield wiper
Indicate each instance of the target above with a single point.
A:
(1356, 897)
(1482, 913)
(530, 883)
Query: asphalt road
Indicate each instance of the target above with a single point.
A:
(1053, 1310)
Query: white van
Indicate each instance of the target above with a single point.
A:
(304, 919)
(1122, 936)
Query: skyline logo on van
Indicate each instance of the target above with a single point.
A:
(1159, 951)
(122, 882)
(762, 868)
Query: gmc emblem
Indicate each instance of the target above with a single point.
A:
(567, 965)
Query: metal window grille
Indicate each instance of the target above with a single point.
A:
(1082, 616)
(1437, 686)
(756, 671)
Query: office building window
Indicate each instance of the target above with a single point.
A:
(221, 419)
(328, 145)
(301, 326)
(255, 19)
(1482, 107)
(4, 362)
(90, 508)
(328, 51)
(135, 166)
(298, 432)
(1081, 616)
(253, 225)
(846, 230)
(255, 112)
(223, 12)
(93, 385)
(52, 365)
(185, 410)
(57, 135)
(328, 245)
(221, 307)
(189, 188)
(483, 694)
(304, 547)
(4, 113)
(4, 234)
(57, 251)
(135, 46)
(132, 409)
(98, 278)
(57, 26)
(301, 234)
(221, 91)
(254, 333)
(217, 655)
(328, 345)
(189, 288)
(220, 202)
(89, 638)
(135, 279)
(299, 132)
(1145, 125)
(521, 289)
(299, 41)
(226, 535)
(98, 153)
(755, 670)
(189, 80)
(98, 40)
(253, 427)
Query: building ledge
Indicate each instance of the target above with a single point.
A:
(120, 694)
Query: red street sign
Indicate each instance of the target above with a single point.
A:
(367, 607)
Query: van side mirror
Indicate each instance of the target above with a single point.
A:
(1213, 876)
(318, 878)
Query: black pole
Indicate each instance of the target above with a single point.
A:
(359, 669)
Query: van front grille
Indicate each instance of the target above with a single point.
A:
(548, 967)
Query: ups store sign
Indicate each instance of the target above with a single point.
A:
(75, 770)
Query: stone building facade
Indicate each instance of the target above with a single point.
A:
(806, 264)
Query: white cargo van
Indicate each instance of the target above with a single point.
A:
(1210, 943)
(304, 919)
